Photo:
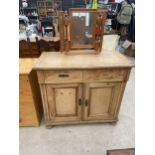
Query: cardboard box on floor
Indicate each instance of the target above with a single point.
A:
(129, 48)
(130, 151)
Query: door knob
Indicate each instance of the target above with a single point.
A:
(80, 102)
(86, 102)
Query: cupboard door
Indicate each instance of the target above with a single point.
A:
(64, 102)
(101, 100)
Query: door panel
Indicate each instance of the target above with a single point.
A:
(99, 100)
(102, 99)
(63, 102)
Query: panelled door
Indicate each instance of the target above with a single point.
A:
(64, 102)
(101, 100)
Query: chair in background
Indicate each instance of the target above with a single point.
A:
(44, 45)
(24, 48)
(35, 48)
(48, 27)
(28, 49)
(49, 45)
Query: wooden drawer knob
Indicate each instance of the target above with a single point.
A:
(86, 102)
(63, 75)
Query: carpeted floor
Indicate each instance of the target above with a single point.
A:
(93, 139)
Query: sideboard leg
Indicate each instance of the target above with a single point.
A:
(49, 126)
(114, 123)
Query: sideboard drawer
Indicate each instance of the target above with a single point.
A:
(60, 76)
(104, 75)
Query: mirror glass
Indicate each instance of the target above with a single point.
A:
(82, 28)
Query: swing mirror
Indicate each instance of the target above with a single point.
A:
(82, 29)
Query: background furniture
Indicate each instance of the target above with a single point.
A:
(48, 26)
(48, 8)
(28, 49)
(50, 45)
(33, 49)
(24, 48)
(66, 4)
(82, 88)
(30, 108)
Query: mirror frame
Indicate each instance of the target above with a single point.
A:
(81, 10)
(66, 30)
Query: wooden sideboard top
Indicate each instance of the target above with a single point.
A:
(25, 65)
(58, 60)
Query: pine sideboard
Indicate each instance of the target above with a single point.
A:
(82, 88)
(30, 105)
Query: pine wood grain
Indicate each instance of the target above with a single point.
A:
(30, 107)
(57, 60)
(25, 65)
(82, 88)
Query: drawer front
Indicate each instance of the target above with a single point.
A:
(60, 76)
(104, 75)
